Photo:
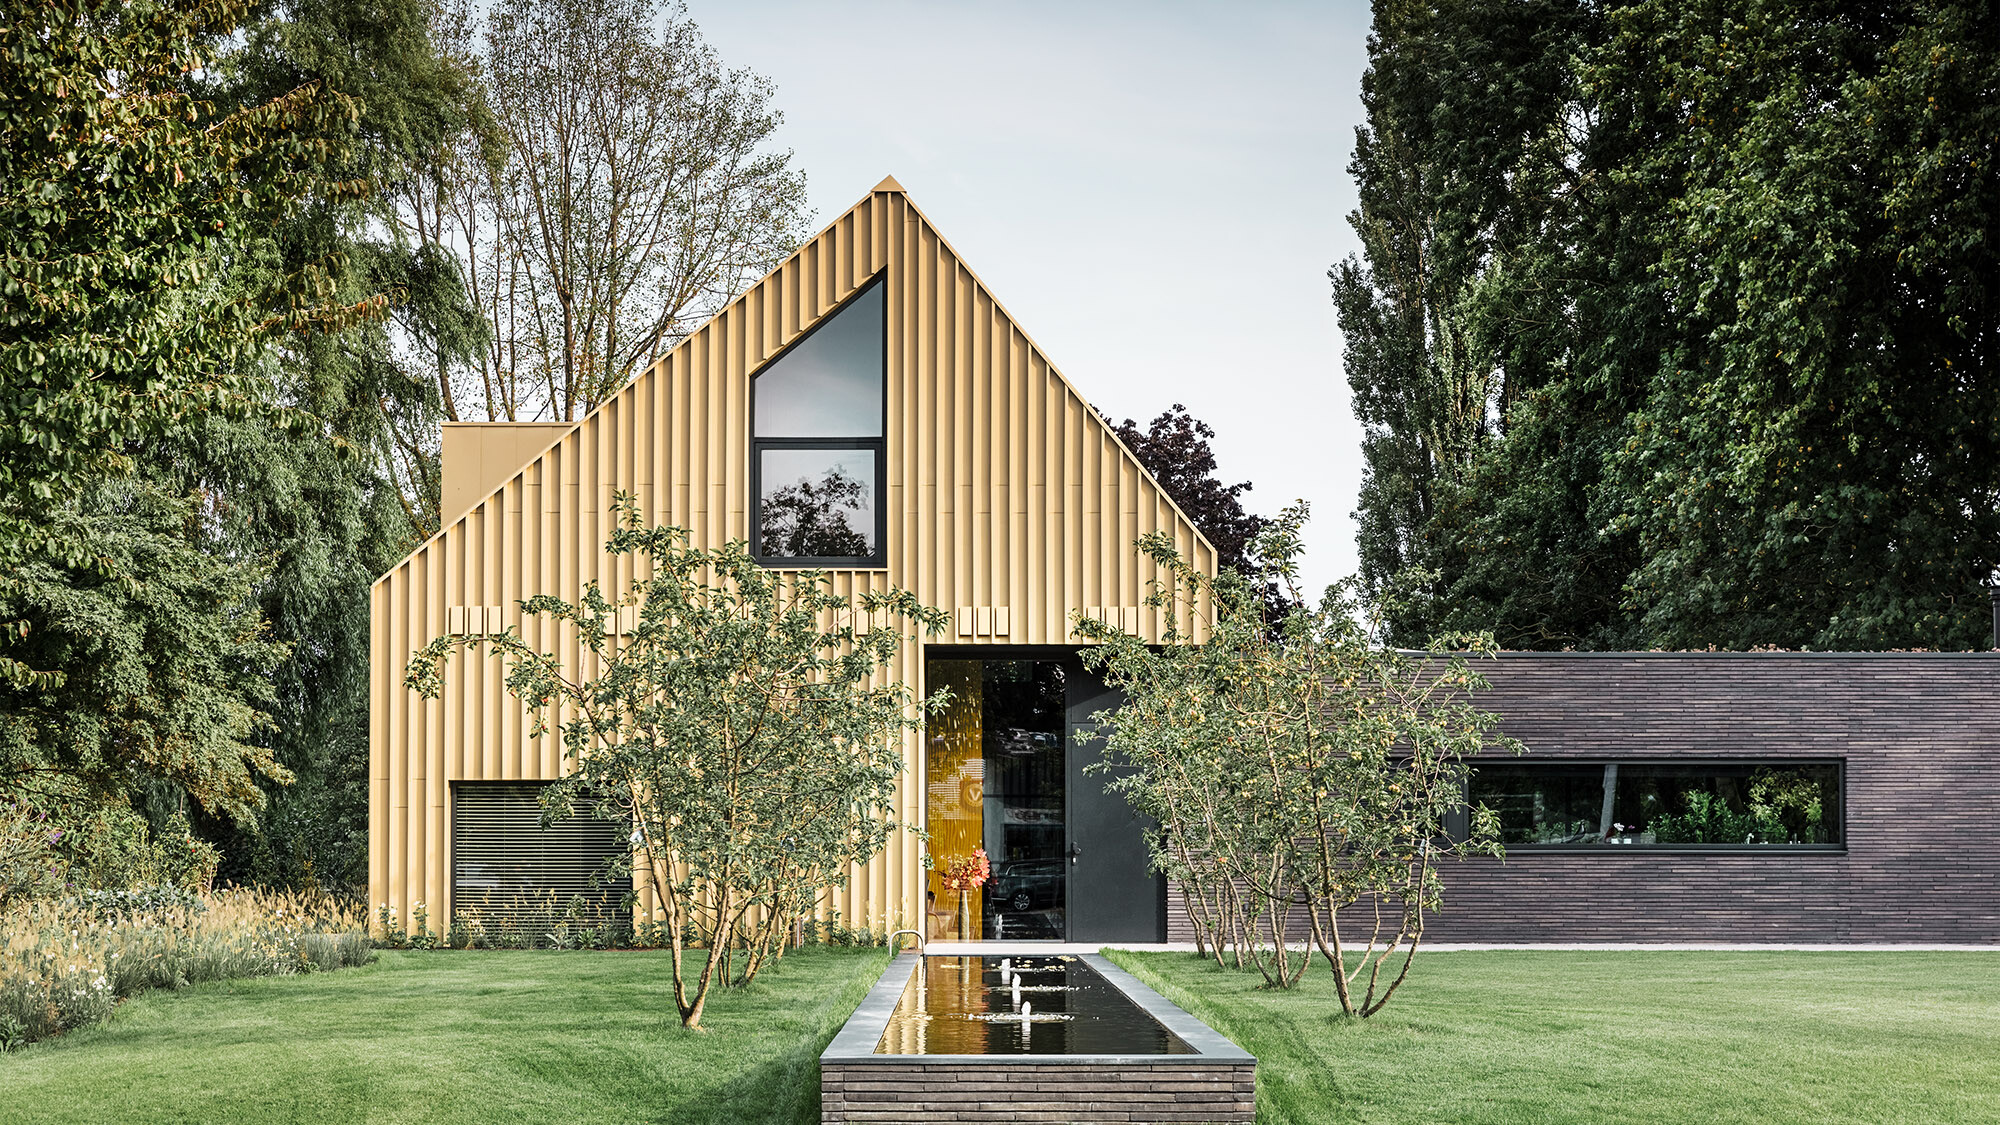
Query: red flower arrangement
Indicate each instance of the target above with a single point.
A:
(966, 871)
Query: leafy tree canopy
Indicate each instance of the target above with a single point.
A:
(325, 522)
(123, 184)
(1675, 325)
(1174, 448)
(166, 658)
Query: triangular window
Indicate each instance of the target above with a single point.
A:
(817, 450)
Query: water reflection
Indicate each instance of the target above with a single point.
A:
(969, 1006)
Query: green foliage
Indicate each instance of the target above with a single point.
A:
(1294, 766)
(1817, 459)
(1717, 280)
(166, 659)
(112, 848)
(321, 512)
(1461, 168)
(1783, 807)
(734, 717)
(122, 184)
(1708, 820)
(31, 862)
(1788, 807)
(159, 308)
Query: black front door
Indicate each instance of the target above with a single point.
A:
(1114, 895)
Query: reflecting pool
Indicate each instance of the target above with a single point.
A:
(1019, 1006)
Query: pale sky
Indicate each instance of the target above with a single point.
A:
(1155, 191)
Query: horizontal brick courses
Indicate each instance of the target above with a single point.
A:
(1920, 736)
(1073, 1092)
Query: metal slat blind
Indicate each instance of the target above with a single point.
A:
(508, 867)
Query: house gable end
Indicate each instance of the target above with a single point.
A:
(1009, 503)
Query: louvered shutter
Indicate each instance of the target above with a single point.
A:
(509, 868)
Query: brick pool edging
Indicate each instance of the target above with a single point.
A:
(1218, 1083)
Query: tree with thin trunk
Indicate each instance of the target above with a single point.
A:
(742, 723)
(1300, 775)
(615, 189)
(627, 192)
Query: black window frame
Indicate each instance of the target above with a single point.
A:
(1839, 764)
(879, 560)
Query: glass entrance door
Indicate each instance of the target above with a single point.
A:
(995, 786)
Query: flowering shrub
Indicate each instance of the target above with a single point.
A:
(64, 964)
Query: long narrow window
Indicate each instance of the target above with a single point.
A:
(1703, 805)
(817, 450)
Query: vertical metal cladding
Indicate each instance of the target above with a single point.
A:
(1004, 490)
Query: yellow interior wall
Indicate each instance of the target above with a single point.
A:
(955, 772)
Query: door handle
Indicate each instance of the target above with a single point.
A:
(1074, 851)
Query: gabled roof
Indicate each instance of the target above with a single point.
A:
(760, 322)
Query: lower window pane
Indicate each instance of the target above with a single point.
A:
(1684, 803)
(817, 503)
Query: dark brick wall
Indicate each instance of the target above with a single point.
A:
(1920, 735)
(1088, 1092)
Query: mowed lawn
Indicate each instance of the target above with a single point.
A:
(1553, 1038)
(450, 1037)
(1502, 1037)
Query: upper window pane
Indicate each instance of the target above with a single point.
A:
(830, 383)
(817, 503)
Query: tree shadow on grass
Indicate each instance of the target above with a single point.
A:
(780, 1090)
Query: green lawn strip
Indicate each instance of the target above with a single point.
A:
(1757, 1038)
(448, 1037)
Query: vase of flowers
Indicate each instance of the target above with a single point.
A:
(961, 874)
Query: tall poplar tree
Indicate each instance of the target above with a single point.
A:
(1739, 356)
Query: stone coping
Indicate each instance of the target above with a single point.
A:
(863, 1031)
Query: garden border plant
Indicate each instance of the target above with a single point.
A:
(66, 962)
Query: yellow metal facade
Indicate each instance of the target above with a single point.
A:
(477, 457)
(1009, 503)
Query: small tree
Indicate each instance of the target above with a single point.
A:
(736, 718)
(1295, 768)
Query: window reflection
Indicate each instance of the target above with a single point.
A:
(817, 441)
(817, 503)
(1774, 804)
